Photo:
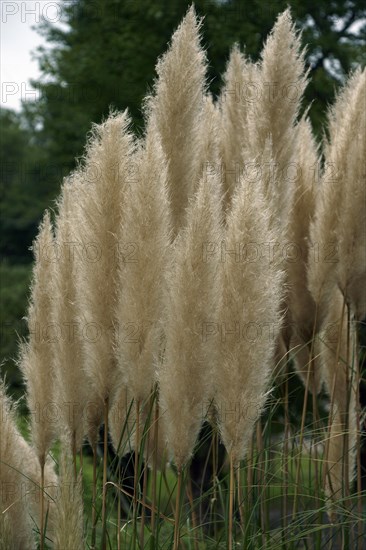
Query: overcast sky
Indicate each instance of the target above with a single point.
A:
(17, 40)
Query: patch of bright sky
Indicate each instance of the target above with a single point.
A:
(18, 39)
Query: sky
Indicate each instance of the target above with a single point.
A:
(18, 38)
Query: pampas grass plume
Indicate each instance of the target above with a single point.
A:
(36, 355)
(250, 298)
(146, 227)
(15, 523)
(279, 84)
(185, 374)
(234, 105)
(302, 307)
(71, 388)
(351, 231)
(106, 173)
(20, 482)
(337, 231)
(176, 110)
(338, 356)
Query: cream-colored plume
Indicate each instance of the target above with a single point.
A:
(36, 355)
(15, 522)
(71, 386)
(249, 320)
(302, 309)
(338, 357)
(338, 230)
(210, 140)
(144, 243)
(234, 101)
(278, 87)
(186, 372)
(20, 484)
(108, 168)
(176, 110)
(351, 231)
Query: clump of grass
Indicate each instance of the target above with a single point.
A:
(194, 304)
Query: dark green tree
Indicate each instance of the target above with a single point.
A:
(24, 190)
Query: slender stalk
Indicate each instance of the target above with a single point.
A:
(119, 525)
(325, 473)
(74, 453)
(94, 498)
(261, 481)
(358, 443)
(248, 497)
(349, 385)
(193, 513)
(143, 509)
(231, 502)
(154, 468)
(42, 505)
(240, 497)
(302, 429)
(308, 376)
(105, 460)
(147, 431)
(81, 458)
(214, 449)
(348, 533)
(314, 449)
(177, 511)
(136, 474)
(285, 453)
(330, 416)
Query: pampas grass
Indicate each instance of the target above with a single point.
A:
(351, 230)
(107, 170)
(302, 307)
(15, 523)
(341, 191)
(338, 357)
(176, 296)
(337, 268)
(176, 110)
(36, 355)
(71, 387)
(146, 227)
(20, 483)
(210, 140)
(36, 358)
(193, 287)
(279, 85)
(234, 107)
(250, 300)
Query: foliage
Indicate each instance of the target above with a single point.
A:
(13, 295)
